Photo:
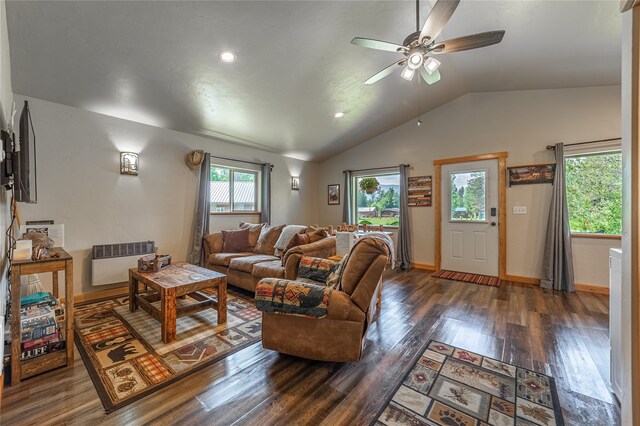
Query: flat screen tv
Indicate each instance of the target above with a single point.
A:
(25, 178)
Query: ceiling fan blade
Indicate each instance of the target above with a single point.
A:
(469, 42)
(430, 78)
(385, 72)
(437, 19)
(378, 45)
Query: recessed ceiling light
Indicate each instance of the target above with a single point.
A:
(339, 114)
(227, 56)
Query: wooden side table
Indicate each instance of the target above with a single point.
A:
(21, 370)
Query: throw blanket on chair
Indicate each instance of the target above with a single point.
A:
(292, 297)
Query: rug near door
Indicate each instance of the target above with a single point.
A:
(127, 360)
(452, 386)
(467, 278)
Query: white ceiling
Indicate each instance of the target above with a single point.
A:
(156, 62)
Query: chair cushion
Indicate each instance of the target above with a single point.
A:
(268, 237)
(272, 269)
(245, 264)
(292, 297)
(223, 259)
(235, 241)
(254, 231)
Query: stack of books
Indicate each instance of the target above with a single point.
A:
(41, 325)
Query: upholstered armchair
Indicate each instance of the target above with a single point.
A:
(309, 319)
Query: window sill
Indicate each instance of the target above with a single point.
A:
(234, 213)
(597, 236)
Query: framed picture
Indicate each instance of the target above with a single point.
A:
(533, 173)
(419, 191)
(333, 194)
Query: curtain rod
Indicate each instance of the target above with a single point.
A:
(239, 161)
(552, 147)
(375, 168)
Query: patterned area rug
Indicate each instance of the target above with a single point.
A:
(127, 359)
(468, 278)
(454, 387)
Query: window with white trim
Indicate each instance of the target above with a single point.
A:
(594, 192)
(234, 190)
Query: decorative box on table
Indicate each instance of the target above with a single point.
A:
(153, 263)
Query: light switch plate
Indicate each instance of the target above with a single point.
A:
(519, 210)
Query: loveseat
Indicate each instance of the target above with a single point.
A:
(245, 269)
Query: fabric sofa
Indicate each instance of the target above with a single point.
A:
(245, 269)
(313, 321)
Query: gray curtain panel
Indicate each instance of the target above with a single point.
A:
(203, 210)
(404, 230)
(557, 264)
(346, 207)
(265, 215)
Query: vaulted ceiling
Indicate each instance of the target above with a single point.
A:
(157, 62)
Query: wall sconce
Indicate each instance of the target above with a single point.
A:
(129, 163)
(295, 183)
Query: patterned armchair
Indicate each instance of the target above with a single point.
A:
(310, 319)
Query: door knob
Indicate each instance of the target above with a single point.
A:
(493, 224)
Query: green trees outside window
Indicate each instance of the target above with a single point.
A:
(594, 193)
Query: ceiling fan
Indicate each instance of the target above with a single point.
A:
(419, 47)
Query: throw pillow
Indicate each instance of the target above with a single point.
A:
(316, 234)
(287, 233)
(254, 231)
(297, 240)
(235, 241)
(267, 240)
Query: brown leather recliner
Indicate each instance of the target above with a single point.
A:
(339, 335)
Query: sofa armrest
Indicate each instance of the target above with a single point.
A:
(212, 244)
(324, 248)
(274, 295)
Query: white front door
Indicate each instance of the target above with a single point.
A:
(470, 217)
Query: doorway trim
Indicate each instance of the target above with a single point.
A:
(502, 205)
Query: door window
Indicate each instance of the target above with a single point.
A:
(468, 196)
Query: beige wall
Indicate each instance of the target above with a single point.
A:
(520, 122)
(79, 184)
(6, 101)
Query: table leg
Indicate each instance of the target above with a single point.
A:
(16, 371)
(379, 301)
(54, 283)
(133, 292)
(168, 311)
(68, 296)
(222, 302)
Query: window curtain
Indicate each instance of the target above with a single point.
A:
(404, 231)
(557, 264)
(265, 214)
(348, 192)
(203, 210)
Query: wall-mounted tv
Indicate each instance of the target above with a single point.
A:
(26, 176)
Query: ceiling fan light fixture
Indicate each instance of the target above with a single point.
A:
(431, 65)
(415, 60)
(408, 73)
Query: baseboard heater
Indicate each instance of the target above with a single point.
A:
(111, 262)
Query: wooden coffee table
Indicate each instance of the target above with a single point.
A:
(178, 279)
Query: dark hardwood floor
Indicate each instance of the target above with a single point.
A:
(562, 335)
